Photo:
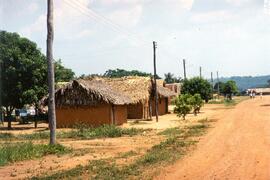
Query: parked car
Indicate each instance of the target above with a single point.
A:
(21, 113)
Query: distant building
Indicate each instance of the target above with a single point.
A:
(264, 91)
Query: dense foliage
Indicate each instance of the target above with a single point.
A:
(24, 72)
(62, 74)
(229, 88)
(197, 86)
(170, 78)
(185, 103)
(117, 73)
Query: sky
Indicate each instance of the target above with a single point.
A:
(92, 36)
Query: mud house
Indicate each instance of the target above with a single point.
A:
(141, 92)
(91, 102)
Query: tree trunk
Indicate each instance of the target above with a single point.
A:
(36, 115)
(9, 112)
(51, 100)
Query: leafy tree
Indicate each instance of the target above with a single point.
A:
(62, 74)
(229, 89)
(221, 86)
(183, 105)
(169, 78)
(197, 86)
(196, 102)
(117, 73)
(24, 73)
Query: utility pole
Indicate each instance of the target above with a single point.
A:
(212, 80)
(155, 80)
(200, 72)
(184, 65)
(218, 84)
(51, 99)
(1, 110)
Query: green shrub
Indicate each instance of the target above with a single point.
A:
(182, 105)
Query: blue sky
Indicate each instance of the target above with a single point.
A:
(91, 36)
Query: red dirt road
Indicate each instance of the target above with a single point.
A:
(238, 147)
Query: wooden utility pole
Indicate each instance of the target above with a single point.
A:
(200, 72)
(218, 84)
(155, 80)
(212, 80)
(184, 65)
(1, 110)
(51, 100)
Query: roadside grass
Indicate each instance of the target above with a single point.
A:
(228, 102)
(79, 132)
(10, 153)
(178, 142)
(6, 136)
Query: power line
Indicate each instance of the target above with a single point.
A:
(103, 20)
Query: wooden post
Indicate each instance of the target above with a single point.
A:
(218, 90)
(212, 80)
(51, 100)
(155, 80)
(1, 107)
(184, 65)
(200, 72)
(113, 114)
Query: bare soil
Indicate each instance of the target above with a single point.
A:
(87, 150)
(238, 147)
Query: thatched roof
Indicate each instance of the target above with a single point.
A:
(89, 92)
(139, 89)
(163, 91)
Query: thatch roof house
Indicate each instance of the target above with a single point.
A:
(141, 92)
(91, 102)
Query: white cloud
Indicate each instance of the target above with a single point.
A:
(127, 17)
(182, 4)
(38, 26)
(84, 33)
(211, 16)
(33, 7)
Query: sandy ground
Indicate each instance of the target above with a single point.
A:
(87, 150)
(237, 148)
(171, 120)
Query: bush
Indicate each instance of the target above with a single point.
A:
(183, 106)
(186, 102)
(196, 102)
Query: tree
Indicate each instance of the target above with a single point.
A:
(117, 73)
(220, 85)
(182, 105)
(23, 72)
(169, 78)
(229, 89)
(197, 86)
(196, 102)
(62, 74)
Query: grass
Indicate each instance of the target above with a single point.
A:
(10, 153)
(79, 132)
(177, 143)
(227, 102)
(6, 136)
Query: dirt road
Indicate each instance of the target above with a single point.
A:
(238, 147)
